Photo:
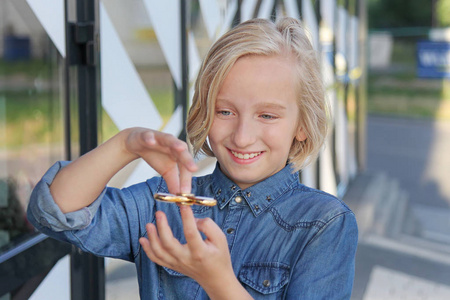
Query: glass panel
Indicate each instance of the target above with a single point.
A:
(137, 35)
(31, 122)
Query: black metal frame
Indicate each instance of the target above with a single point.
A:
(20, 271)
(23, 267)
(181, 94)
(26, 264)
(87, 271)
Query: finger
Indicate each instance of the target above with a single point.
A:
(146, 246)
(168, 242)
(186, 159)
(211, 230)
(172, 178)
(179, 150)
(148, 137)
(152, 244)
(159, 141)
(182, 155)
(193, 237)
(167, 143)
(154, 249)
(185, 180)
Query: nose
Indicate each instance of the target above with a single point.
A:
(245, 132)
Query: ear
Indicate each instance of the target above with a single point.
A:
(301, 135)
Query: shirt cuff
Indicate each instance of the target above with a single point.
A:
(48, 214)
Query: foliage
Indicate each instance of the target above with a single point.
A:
(28, 68)
(399, 13)
(443, 12)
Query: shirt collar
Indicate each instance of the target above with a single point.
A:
(260, 196)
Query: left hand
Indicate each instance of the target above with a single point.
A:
(206, 261)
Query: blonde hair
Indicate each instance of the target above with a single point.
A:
(262, 37)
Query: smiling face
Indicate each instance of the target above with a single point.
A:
(256, 119)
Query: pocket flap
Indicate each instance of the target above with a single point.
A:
(266, 278)
(173, 272)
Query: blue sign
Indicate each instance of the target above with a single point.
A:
(433, 59)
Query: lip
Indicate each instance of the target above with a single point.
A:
(245, 160)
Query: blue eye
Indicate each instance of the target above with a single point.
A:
(224, 112)
(267, 117)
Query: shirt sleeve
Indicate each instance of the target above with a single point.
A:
(42, 209)
(111, 226)
(326, 268)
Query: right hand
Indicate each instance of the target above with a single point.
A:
(168, 155)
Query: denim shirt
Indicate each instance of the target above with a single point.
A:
(287, 241)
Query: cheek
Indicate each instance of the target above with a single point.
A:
(284, 137)
(214, 134)
(279, 138)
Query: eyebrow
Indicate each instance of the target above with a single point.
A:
(266, 105)
(271, 105)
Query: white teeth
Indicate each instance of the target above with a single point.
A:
(246, 155)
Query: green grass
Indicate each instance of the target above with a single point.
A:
(33, 117)
(28, 68)
(404, 52)
(394, 95)
(398, 91)
(30, 118)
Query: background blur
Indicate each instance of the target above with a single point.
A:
(404, 216)
(74, 73)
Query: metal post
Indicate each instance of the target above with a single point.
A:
(87, 270)
(182, 93)
(361, 10)
(273, 14)
(333, 132)
(319, 22)
(237, 16)
(66, 104)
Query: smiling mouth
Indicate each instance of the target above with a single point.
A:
(246, 155)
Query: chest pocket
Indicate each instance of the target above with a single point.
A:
(265, 278)
(173, 272)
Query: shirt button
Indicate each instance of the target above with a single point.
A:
(238, 199)
(266, 283)
(230, 230)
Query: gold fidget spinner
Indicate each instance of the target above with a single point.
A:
(186, 199)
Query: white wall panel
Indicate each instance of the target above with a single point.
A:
(309, 17)
(266, 9)
(165, 17)
(124, 96)
(51, 15)
(211, 16)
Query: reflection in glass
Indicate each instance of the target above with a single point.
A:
(31, 127)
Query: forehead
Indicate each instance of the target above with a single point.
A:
(268, 79)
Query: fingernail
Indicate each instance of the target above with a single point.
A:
(183, 207)
(185, 190)
(149, 138)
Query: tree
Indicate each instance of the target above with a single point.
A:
(443, 12)
(400, 13)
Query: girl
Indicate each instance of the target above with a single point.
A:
(259, 108)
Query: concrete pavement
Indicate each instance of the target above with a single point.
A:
(402, 205)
